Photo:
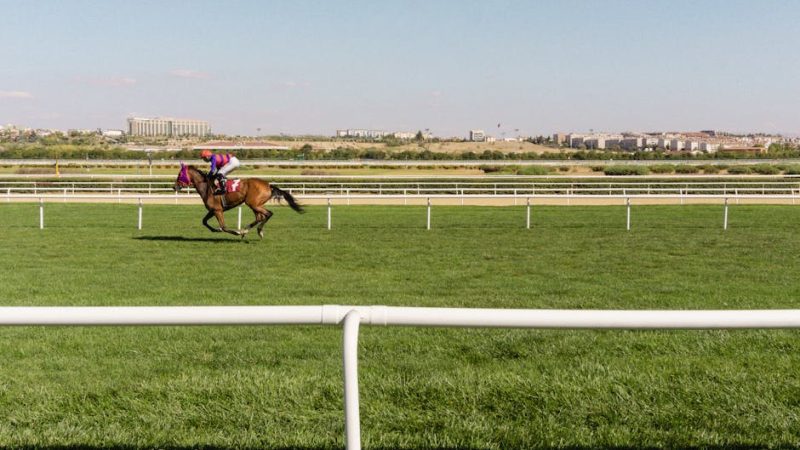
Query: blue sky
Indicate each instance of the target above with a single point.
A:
(448, 66)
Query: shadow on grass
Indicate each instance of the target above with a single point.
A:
(220, 240)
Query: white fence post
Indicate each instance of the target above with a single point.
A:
(41, 214)
(140, 214)
(528, 213)
(352, 421)
(725, 221)
(239, 227)
(628, 222)
(329, 213)
(429, 214)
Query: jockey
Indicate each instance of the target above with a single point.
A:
(221, 165)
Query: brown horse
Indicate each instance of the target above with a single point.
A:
(252, 192)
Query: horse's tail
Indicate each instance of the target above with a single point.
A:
(278, 193)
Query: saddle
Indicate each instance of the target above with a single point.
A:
(230, 185)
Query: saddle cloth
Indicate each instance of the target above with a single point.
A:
(232, 185)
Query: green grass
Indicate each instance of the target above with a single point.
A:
(280, 387)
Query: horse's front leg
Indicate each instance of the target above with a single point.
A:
(205, 222)
(220, 215)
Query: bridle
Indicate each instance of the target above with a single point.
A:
(183, 178)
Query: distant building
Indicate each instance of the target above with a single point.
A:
(572, 138)
(631, 143)
(676, 145)
(559, 138)
(404, 135)
(596, 143)
(575, 140)
(362, 133)
(112, 133)
(708, 147)
(691, 145)
(477, 136)
(169, 127)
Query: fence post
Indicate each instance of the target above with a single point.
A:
(429, 214)
(329, 213)
(140, 213)
(352, 421)
(405, 198)
(725, 221)
(528, 213)
(239, 227)
(628, 203)
(65, 195)
(41, 214)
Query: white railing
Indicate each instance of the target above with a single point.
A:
(188, 195)
(350, 317)
(312, 186)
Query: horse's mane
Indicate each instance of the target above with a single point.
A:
(205, 175)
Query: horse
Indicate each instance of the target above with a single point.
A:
(252, 191)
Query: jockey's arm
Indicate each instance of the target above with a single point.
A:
(213, 169)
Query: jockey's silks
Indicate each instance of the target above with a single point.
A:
(218, 161)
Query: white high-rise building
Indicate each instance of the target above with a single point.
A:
(477, 135)
(138, 126)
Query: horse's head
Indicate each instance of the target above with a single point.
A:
(183, 180)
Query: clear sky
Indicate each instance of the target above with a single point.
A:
(448, 66)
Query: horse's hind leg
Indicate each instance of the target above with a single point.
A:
(267, 214)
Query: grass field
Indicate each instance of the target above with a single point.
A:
(280, 387)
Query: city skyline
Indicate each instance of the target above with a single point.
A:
(313, 67)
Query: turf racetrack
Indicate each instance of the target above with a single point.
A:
(281, 387)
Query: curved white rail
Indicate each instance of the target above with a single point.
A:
(351, 316)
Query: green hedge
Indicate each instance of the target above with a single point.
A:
(686, 169)
(739, 170)
(626, 170)
(662, 168)
(765, 169)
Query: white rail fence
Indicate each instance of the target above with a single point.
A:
(440, 187)
(351, 317)
(528, 199)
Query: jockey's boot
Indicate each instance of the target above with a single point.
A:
(221, 189)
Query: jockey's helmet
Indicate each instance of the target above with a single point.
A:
(205, 154)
